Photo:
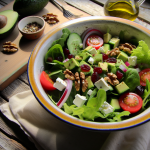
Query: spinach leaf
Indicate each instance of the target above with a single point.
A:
(132, 79)
(57, 74)
(54, 52)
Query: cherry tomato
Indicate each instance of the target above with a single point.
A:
(94, 41)
(144, 74)
(46, 82)
(130, 102)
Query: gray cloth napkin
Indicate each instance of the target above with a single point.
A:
(49, 133)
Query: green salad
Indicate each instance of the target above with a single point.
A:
(96, 76)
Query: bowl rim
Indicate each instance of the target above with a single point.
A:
(26, 24)
(68, 118)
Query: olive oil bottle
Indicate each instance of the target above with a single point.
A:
(122, 9)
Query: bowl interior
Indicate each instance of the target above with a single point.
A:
(30, 19)
(36, 66)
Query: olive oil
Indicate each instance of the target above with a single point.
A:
(121, 9)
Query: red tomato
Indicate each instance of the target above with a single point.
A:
(130, 102)
(46, 82)
(94, 41)
(144, 74)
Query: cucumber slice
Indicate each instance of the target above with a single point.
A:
(73, 43)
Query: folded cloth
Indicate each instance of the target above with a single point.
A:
(46, 131)
(49, 133)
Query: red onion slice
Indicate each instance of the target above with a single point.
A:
(66, 93)
(127, 63)
(91, 32)
(85, 32)
(123, 68)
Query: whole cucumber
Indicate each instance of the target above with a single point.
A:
(29, 7)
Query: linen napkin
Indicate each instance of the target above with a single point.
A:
(49, 133)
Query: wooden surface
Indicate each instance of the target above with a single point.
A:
(11, 136)
(11, 66)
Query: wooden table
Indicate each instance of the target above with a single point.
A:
(11, 136)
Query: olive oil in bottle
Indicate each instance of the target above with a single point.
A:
(121, 9)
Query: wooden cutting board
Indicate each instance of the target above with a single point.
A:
(13, 65)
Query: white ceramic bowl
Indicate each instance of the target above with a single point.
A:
(35, 67)
(31, 36)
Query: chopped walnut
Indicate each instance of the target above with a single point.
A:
(77, 76)
(83, 81)
(84, 85)
(50, 18)
(77, 85)
(127, 47)
(113, 52)
(9, 47)
(82, 75)
(112, 79)
(77, 82)
(69, 74)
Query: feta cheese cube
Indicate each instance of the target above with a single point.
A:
(60, 84)
(93, 51)
(79, 100)
(106, 108)
(91, 60)
(102, 84)
(132, 60)
(89, 92)
(101, 49)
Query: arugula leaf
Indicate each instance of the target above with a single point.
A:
(90, 113)
(142, 52)
(118, 115)
(146, 94)
(67, 109)
(96, 102)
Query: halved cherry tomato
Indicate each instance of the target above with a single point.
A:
(130, 102)
(144, 74)
(46, 82)
(94, 41)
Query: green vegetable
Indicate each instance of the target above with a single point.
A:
(146, 95)
(132, 79)
(54, 52)
(142, 52)
(96, 102)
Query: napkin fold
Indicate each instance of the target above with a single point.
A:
(50, 133)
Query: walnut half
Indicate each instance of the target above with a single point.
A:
(127, 47)
(9, 47)
(69, 74)
(112, 79)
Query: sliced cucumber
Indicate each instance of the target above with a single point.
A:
(73, 43)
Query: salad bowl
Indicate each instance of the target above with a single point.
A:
(36, 66)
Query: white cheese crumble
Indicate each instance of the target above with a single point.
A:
(106, 108)
(89, 92)
(60, 84)
(132, 60)
(102, 84)
(79, 100)
(91, 60)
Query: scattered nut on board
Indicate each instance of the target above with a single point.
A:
(9, 47)
(50, 18)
